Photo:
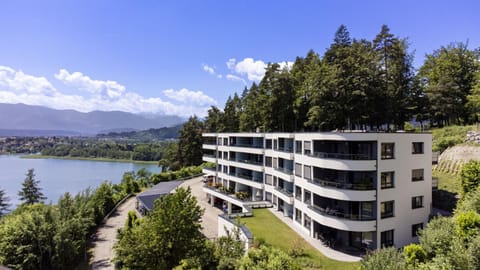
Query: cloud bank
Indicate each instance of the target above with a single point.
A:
(90, 94)
(253, 70)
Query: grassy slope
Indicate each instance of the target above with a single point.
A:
(447, 182)
(267, 226)
(449, 136)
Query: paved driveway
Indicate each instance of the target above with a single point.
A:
(106, 237)
(209, 220)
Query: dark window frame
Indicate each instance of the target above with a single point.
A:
(387, 238)
(417, 148)
(384, 184)
(416, 179)
(416, 228)
(417, 202)
(387, 209)
(384, 149)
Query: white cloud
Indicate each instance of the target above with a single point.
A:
(286, 64)
(211, 70)
(232, 77)
(208, 69)
(186, 96)
(20, 82)
(253, 69)
(17, 87)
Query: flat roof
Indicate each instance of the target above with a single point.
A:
(149, 196)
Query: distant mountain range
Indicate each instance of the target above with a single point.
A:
(28, 120)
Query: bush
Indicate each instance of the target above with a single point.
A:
(414, 254)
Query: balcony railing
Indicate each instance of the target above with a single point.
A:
(284, 191)
(340, 213)
(210, 169)
(285, 149)
(210, 156)
(368, 185)
(247, 177)
(247, 161)
(246, 197)
(247, 145)
(342, 156)
(284, 170)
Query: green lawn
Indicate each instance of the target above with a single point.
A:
(448, 182)
(265, 225)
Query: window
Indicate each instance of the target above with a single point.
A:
(298, 147)
(386, 238)
(307, 196)
(298, 216)
(307, 148)
(417, 175)
(225, 169)
(268, 161)
(307, 172)
(388, 150)
(298, 169)
(268, 179)
(225, 155)
(268, 144)
(298, 193)
(417, 202)
(219, 141)
(268, 196)
(417, 148)
(275, 163)
(416, 228)
(275, 144)
(225, 141)
(387, 180)
(386, 209)
(306, 221)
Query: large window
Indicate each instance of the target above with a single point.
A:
(417, 175)
(268, 143)
(307, 145)
(298, 193)
(386, 209)
(307, 197)
(386, 238)
(268, 161)
(307, 172)
(388, 150)
(268, 179)
(298, 216)
(307, 221)
(298, 169)
(416, 228)
(417, 148)
(417, 202)
(387, 180)
(298, 147)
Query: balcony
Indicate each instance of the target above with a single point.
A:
(340, 213)
(366, 185)
(341, 156)
(247, 161)
(248, 145)
(285, 173)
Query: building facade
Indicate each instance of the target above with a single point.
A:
(352, 190)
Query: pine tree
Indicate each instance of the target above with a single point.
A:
(4, 205)
(31, 193)
(190, 142)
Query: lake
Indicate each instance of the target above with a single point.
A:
(58, 176)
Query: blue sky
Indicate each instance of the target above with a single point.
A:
(175, 57)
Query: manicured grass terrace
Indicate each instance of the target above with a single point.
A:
(265, 225)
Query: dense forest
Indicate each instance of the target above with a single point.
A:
(358, 84)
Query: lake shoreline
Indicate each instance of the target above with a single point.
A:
(89, 159)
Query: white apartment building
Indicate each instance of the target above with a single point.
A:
(352, 190)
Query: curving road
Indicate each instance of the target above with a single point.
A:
(106, 237)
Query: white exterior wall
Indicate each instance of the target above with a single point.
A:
(402, 193)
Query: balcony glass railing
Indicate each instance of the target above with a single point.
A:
(210, 156)
(284, 170)
(340, 213)
(367, 185)
(287, 192)
(342, 156)
(247, 145)
(247, 161)
(285, 149)
(247, 177)
(240, 196)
